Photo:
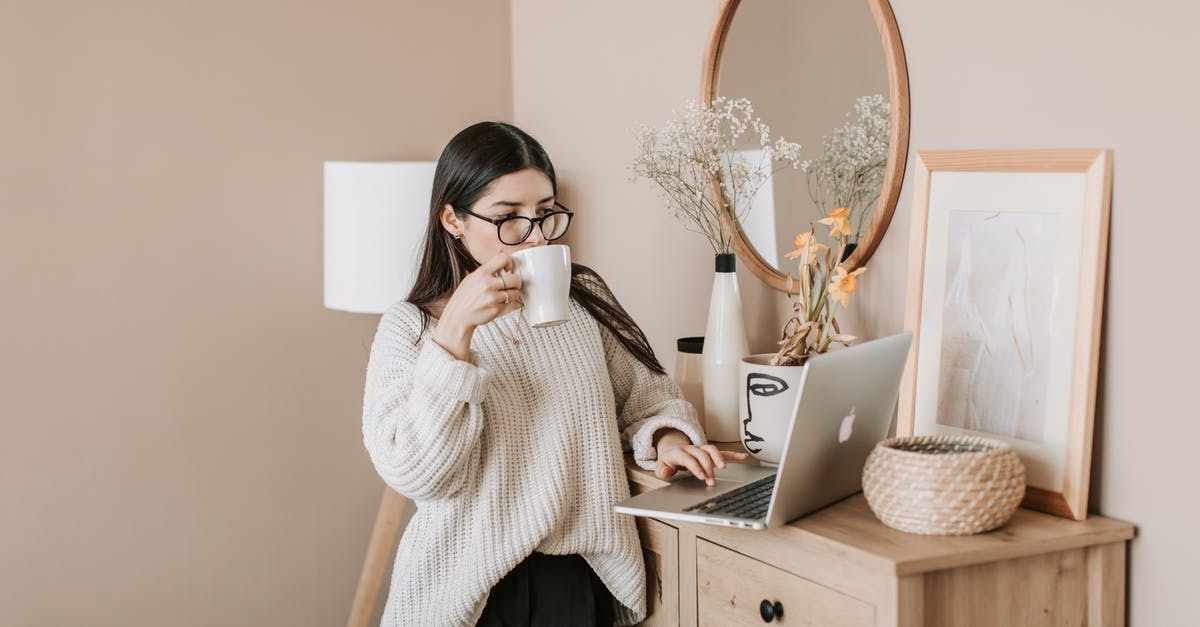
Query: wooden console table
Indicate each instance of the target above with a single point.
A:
(840, 566)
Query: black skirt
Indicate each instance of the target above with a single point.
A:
(549, 590)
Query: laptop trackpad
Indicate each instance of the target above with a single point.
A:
(686, 491)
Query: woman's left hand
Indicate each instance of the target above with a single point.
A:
(676, 451)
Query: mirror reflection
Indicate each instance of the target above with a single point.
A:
(815, 70)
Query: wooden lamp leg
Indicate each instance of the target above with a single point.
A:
(379, 556)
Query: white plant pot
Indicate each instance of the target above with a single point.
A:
(724, 348)
(768, 396)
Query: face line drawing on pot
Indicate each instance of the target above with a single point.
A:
(771, 386)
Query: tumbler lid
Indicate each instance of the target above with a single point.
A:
(693, 345)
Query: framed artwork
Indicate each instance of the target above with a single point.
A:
(1005, 295)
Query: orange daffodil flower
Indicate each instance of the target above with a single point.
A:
(811, 328)
(814, 247)
(843, 284)
(838, 222)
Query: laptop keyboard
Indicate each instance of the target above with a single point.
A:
(748, 501)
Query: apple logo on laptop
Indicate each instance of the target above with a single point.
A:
(847, 426)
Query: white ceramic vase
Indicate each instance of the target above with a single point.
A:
(724, 348)
(767, 396)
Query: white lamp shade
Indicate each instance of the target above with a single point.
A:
(375, 220)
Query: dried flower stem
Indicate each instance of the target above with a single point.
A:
(850, 171)
(812, 327)
(698, 147)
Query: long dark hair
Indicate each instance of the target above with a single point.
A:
(476, 156)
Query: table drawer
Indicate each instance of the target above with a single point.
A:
(731, 587)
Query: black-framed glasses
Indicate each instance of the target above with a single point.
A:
(515, 229)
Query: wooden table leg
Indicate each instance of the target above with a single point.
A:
(1106, 584)
(379, 556)
(688, 605)
(904, 605)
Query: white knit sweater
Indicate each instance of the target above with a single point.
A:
(520, 450)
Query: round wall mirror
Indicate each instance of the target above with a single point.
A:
(831, 76)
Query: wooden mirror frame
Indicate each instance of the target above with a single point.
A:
(897, 71)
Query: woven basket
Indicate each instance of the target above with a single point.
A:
(943, 485)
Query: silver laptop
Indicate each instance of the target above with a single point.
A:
(844, 408)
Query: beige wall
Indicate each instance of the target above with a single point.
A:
(616, 65)
(1021, 74)
(181, 436)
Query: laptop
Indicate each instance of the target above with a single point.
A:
(844, 409)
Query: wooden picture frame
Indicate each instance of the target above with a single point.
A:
(1005, 297)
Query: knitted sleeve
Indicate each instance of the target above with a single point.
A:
(646, 402)
(421, 409)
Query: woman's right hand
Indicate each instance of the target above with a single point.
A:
(489, 292)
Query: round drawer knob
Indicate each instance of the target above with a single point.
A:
(770, 611)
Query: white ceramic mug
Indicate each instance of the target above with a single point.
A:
(545, 273)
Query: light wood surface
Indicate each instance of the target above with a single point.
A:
(905, 604)
(1085, 369)
(1106, 584)
(897, 71)
(1052, 588)
(660, 542)
(1038, 569)
(726, 580)
(1071, 502)
(849, 527)
(688, 566)
(914, 289)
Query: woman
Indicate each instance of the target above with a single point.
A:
(509, 438)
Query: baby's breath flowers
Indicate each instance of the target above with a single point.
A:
(825, 283)
(850, 172)
(705, 142)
